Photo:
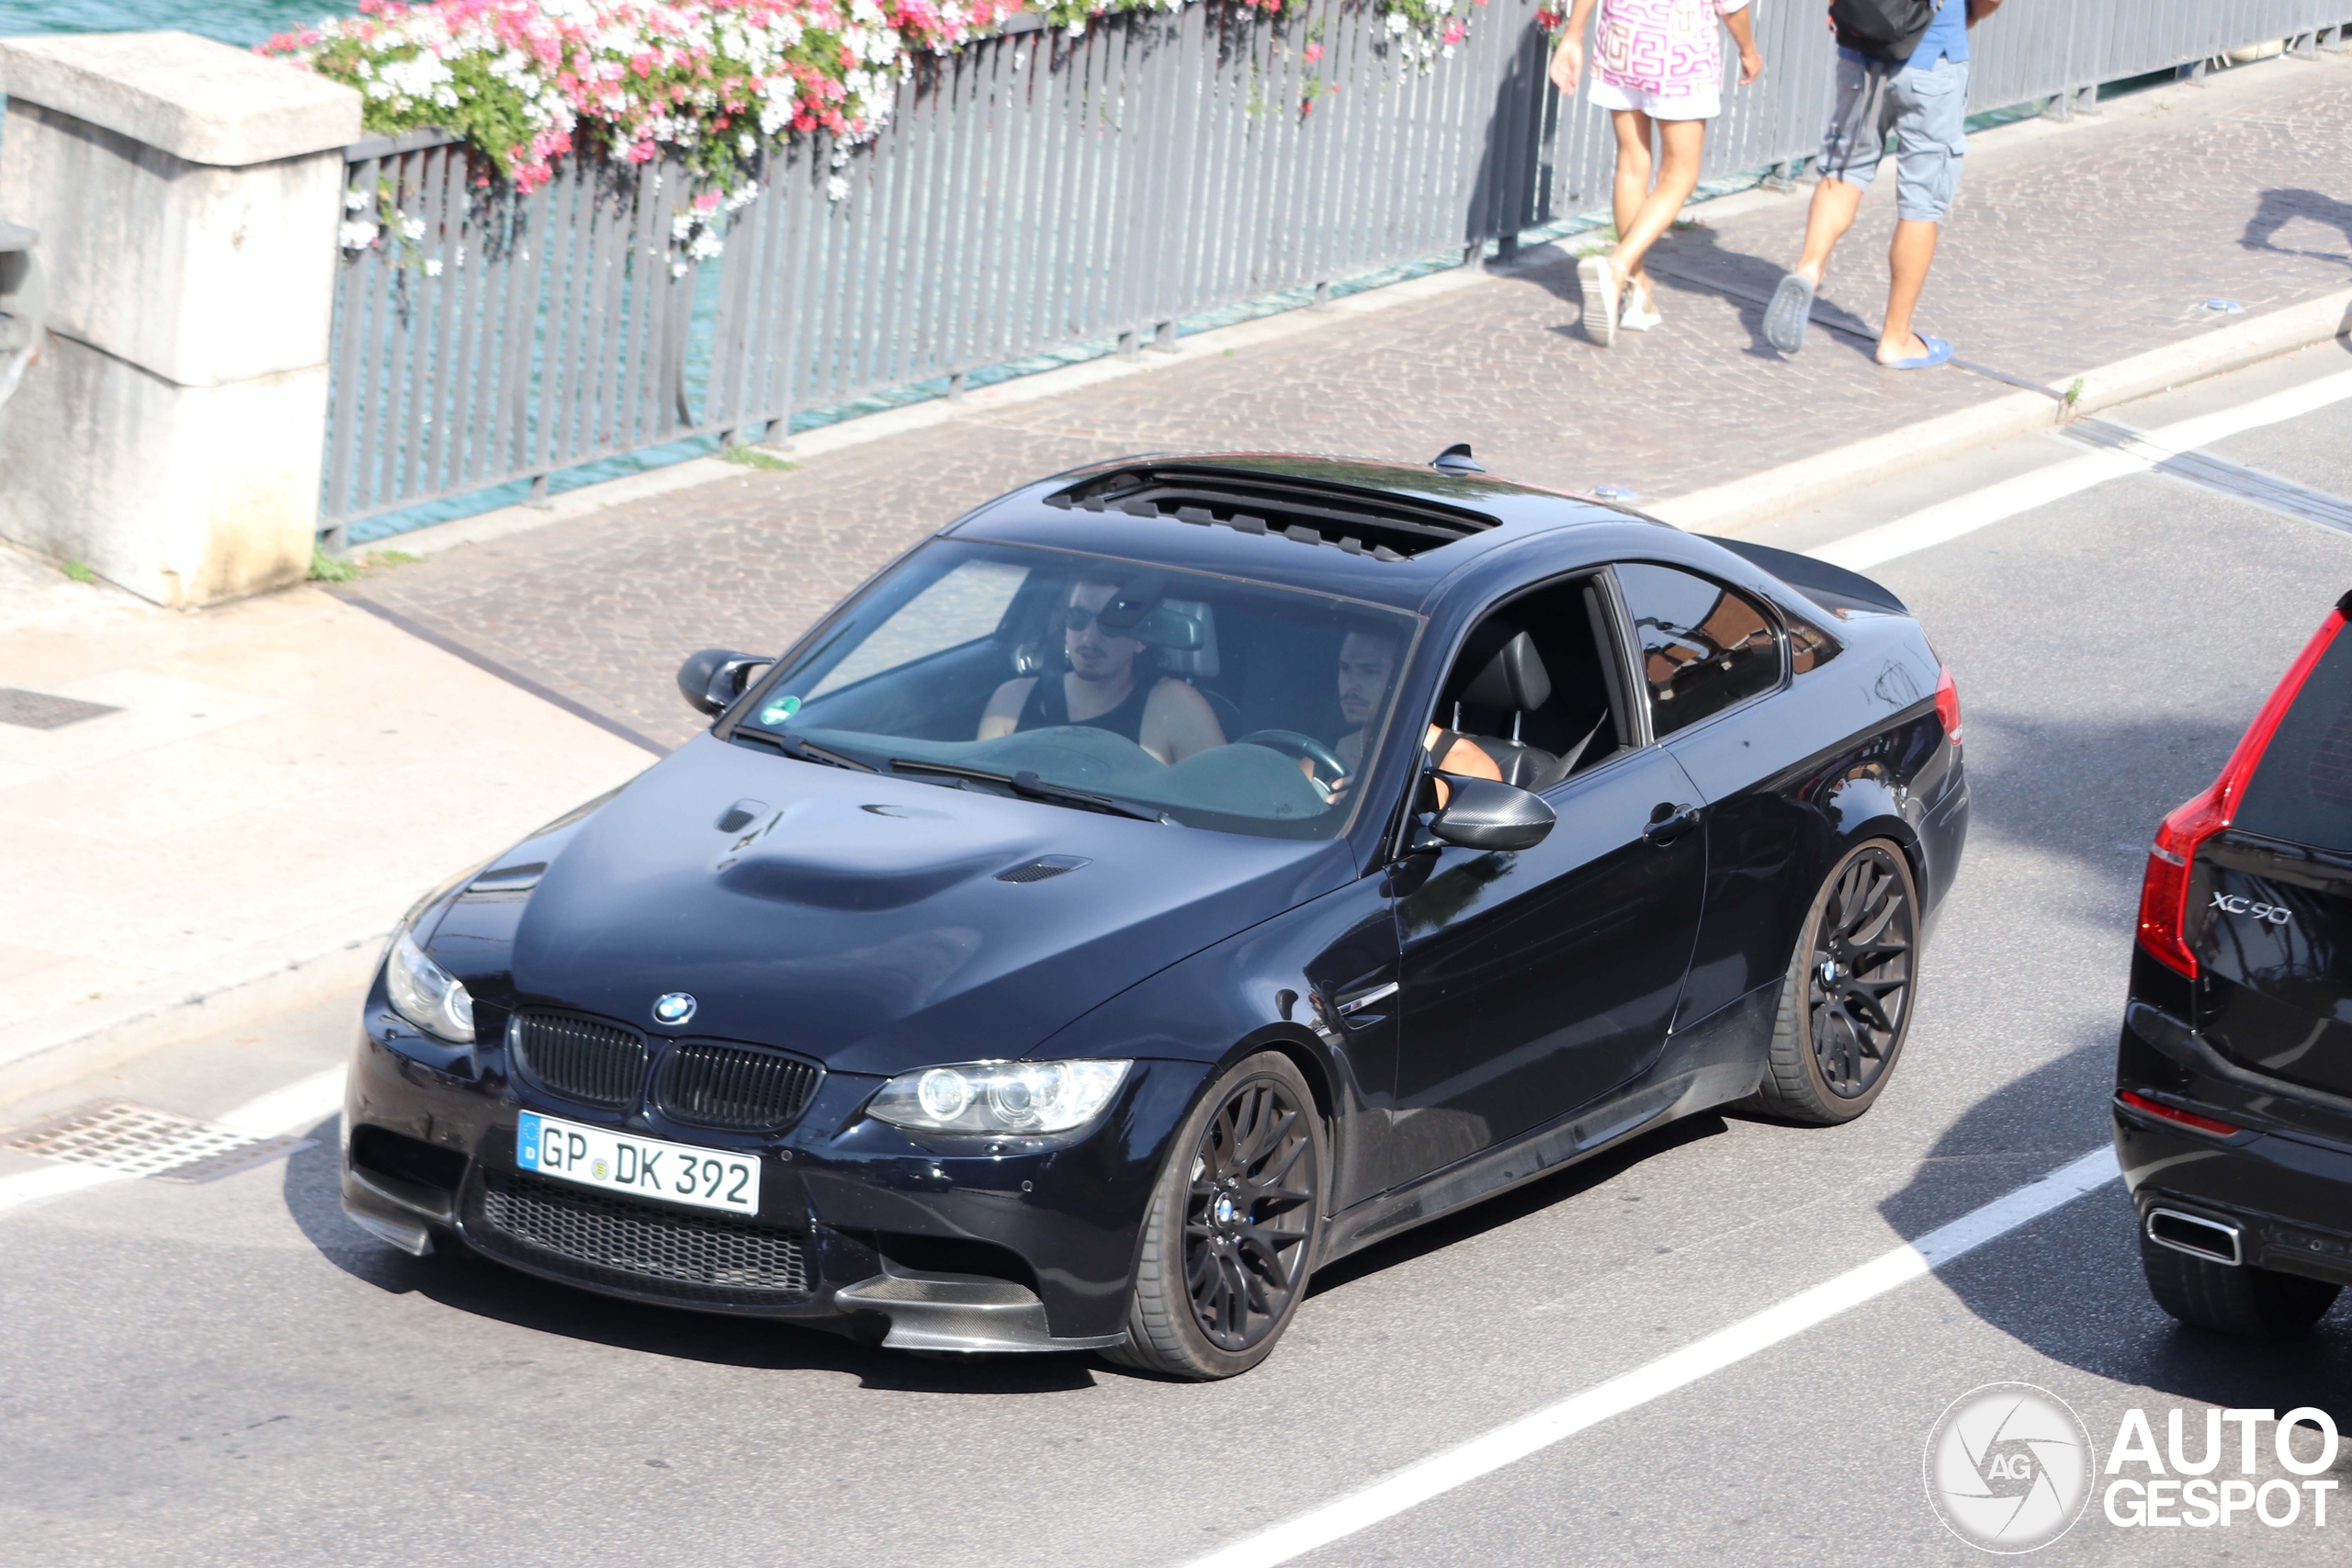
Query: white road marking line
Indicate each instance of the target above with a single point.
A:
(1949, 520)
(294, 1109)
(1440, 1473)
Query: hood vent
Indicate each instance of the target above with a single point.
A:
(1361, 522)
(1043, 868)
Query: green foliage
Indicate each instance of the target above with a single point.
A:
(80, 571)
(325, 568)
(752, 457)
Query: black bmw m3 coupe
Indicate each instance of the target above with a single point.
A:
(1170, 877)
(2234, 1079)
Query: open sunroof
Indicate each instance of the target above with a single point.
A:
(1386, 528)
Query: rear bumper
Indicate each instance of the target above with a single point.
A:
(2284, 1189)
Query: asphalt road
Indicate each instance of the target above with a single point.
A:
(230, 1373)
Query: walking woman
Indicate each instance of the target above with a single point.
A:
(1656, 63)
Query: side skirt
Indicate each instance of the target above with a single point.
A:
(1713, 1062)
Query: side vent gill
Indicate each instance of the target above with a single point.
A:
(1361, 522)
(1043, 868)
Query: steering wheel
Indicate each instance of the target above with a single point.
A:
(1297, 745)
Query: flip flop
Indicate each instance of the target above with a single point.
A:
(1939, 352)
(1602, 288)
(1785, 316)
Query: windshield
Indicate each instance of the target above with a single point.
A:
(1208, 700)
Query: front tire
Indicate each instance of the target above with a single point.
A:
(2241, 1300)
(1232, 1226)
(1846, 1001)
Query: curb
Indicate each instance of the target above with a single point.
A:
(50, 1052)
(1743, 503)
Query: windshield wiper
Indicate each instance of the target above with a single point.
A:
(1029, 787)
(801, 751)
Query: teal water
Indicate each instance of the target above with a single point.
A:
(244, 22)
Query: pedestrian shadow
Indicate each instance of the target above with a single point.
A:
(2069, 1285)
(2274, 209)
(480, 1287)
(1696, 259)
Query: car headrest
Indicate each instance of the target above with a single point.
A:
(1186, 639)
(1514, 678)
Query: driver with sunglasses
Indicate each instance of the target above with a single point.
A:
(1162, 715)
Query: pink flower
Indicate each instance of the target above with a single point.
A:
(643, 152)
(707, 202)
(1314, 53)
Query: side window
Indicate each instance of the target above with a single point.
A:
(1704, 647)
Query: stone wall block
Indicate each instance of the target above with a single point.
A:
(184, 495)
(187, 195)
(202, 275)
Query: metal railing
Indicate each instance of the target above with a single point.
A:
(1031, 192)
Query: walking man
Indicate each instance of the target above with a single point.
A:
(1902, 67)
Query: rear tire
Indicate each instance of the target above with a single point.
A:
(1231, 1229)
(2241, 1300)
(1846, 1000)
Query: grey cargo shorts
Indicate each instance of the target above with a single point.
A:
(1927, 113)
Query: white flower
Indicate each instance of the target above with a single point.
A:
(354, 200)
(433, 267)
(836, 188)
(1397, 22)
(357, 234)
(677, 269)
(412, 228)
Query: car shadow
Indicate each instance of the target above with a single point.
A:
(477, 1286)
(2069, 1284)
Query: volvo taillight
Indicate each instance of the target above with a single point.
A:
(2164, 890)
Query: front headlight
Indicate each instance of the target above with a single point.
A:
(1000, 1097)
(427, 995)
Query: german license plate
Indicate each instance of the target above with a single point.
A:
(642, 1168)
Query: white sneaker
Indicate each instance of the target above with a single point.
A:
(1602, 289)
(1640, 312)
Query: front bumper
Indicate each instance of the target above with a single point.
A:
(863, 1228)
(2283, 1184)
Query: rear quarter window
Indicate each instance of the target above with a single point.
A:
(1704, 647)
(2302, 790)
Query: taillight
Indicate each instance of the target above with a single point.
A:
(2145, 1106)
(1947, 702)
(2163, 891)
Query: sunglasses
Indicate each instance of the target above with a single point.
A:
(1075, 619)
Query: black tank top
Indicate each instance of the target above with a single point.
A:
(1048, 706)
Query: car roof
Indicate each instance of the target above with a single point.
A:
(1409, 506)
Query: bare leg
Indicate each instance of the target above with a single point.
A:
(1634, 165)
(1908, 259)
(1834, 202)
(1685, 143)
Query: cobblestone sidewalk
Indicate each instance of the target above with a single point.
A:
(2070, 249)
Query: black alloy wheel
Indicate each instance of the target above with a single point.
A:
(1846, 1003)
(1230, 1234)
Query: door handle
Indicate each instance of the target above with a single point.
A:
(1669, 823)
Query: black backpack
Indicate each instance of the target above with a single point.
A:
(1886, 29)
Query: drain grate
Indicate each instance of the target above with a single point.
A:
(138, 1139)
(38, 710)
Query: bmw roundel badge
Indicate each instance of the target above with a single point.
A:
(674, 1009)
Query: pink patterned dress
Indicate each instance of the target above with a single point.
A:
(1662, 57)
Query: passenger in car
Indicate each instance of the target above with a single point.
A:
(1100, 691)
(1367, 664)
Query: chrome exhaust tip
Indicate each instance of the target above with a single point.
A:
(2213, 1240)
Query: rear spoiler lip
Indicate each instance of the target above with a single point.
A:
(1834, 585)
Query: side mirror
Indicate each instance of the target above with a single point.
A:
(1487, 814)
(714, 678)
